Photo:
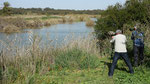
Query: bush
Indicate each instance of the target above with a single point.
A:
(116, 16)
(76, 59)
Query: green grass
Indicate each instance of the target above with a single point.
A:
(44, 18)
(71, 65)
(76, 58)
(93, 76)
(49, 17)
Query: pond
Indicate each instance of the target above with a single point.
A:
(57, 34)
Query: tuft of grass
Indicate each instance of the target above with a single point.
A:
(90, 23)
(75, 58)
(81, 18)
(50, 17)
(11, 28)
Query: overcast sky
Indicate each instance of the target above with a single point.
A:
(63, 4)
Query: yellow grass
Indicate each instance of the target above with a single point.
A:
(17, 22)
(90, 23)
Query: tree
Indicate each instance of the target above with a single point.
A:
(6, 9)
(6, 4)
(116, 16)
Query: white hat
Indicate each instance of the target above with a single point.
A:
(118, 31)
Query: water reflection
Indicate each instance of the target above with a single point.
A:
(57, 34)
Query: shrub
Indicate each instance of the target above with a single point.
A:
(116, 16)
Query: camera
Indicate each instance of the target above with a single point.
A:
(131, 29)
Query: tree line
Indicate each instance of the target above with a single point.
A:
(7, 10)
(53, 11)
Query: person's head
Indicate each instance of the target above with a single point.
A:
(118, 31)
(135, 27)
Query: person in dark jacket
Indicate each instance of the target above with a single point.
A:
(138, 46)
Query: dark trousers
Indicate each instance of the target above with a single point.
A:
(115, 59)
(138, 55)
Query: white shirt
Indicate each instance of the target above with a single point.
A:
(120, 43)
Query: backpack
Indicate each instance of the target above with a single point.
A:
(138, 38)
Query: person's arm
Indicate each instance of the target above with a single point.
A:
(125, 40)
(143, 36)
(132, 37)
(113, 39)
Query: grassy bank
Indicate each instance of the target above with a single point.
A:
(94, 76)
(28, 61)
(78, 62)
(16, 23)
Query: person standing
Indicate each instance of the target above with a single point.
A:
(119, 41)
(138, 46)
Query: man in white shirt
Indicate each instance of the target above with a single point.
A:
(120, 51)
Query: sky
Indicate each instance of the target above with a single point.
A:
(63, 4)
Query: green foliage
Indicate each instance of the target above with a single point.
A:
(141, 76)
(48, 17)
(76, 59)
(0, 12)
(31, 79)
(1, 74)
(50, 11)
(13, 73)
(38, 66)
(94, 76)
(6, 4)
(116, 16)
(6, 9)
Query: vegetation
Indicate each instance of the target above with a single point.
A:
(51, 11)
(82, 60)
(16, 19)
(90, 23)
(116, 17)
(124, 17)
(77, 62)
(16, 23)
(33, 60)
(6, 9)
(46, 11)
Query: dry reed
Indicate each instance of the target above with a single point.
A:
(90, 23)
(19, 64)
(19, 22)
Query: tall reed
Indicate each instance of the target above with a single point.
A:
(18, 65)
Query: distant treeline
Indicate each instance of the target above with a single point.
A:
(51, 11)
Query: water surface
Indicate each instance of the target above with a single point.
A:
(57, 34)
